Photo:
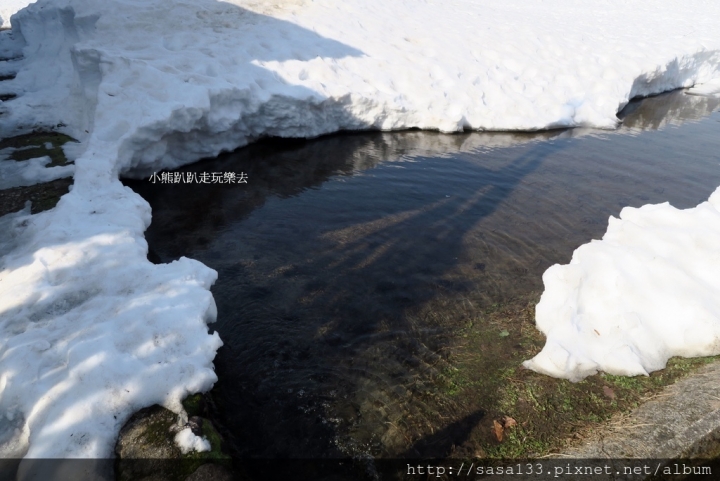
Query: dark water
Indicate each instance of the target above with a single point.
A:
(347, 263)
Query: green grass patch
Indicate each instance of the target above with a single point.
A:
(550, 412)
(34, 139)
(38, 144)
(216, 453)
(194, 405)
(485, 374)
(43, 196)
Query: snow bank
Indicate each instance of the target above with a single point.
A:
(90, 330)
(8, 7)
(163, 83)
(711, 88)
(644, 293)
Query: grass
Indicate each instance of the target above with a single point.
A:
(43, 196)
(550, 413)
(33, 145)
(463, 383)
(194, 405)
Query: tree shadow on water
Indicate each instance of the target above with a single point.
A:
(322, 356)
(317, 286)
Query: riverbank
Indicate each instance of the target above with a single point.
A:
(152, 86)
(391, 324)
(490, 407)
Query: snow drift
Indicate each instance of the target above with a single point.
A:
(90, 330)
(9, 7)
(646, 292)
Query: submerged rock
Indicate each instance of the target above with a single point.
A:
(146, 449)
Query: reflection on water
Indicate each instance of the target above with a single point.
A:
(347, 263)
(673, 108)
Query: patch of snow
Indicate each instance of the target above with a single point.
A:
(31, 171)
(711, 88)
(8, 8)
(9, 225)
(187, 441)
(646, 292)
(90, 331)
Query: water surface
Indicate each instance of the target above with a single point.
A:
(348, 264)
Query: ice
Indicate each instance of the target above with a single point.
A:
(90, 331)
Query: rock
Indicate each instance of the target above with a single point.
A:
(211, 472)
(145, 446)
(148, 435)
(195, 424)
(146, 449)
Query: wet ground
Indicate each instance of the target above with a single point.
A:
(376, 290)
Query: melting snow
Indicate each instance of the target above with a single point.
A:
(90, 331)
(189, 441)
(646, 292)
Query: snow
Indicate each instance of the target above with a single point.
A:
(176, 81)
(8, 7)
(187, 441)
(711, 88)
(14, 174)
(91, 331)
(646, 292)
